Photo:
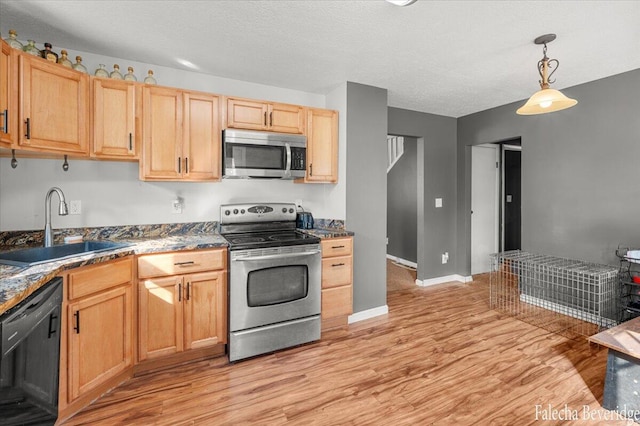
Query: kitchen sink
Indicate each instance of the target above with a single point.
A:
(38, 255)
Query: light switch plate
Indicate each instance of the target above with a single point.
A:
(438, 202)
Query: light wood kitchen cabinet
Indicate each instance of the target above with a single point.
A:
(8, 95)
(182, 302)
(322, 145)
(181, 135)
(99, 327)
(259, 115)
(337, 281)
(115, 106)
(54, 107)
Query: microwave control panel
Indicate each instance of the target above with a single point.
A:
(298, 158)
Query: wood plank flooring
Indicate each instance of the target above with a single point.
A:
(440, 356)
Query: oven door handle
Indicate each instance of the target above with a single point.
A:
(287, 170)
(277, 256)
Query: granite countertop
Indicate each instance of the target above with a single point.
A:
(18, 282)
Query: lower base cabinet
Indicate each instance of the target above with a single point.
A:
(337, 281)
(180, 312)
(97, 340)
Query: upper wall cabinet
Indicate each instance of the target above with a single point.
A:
(181, 135)
(54, 107)
(114, 113)
(322, 145)
(8, 95)
(258, 115)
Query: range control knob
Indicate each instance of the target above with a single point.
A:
(242, 211)
(227, 212)
(235, 211)
(290, 210)
(284, 210)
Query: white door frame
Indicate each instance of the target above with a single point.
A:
(485, 200)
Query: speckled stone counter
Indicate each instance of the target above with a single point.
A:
(328, 232)
(17, 283)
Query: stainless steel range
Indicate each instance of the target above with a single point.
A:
(274, 279)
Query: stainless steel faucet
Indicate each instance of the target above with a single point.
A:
(62, 211)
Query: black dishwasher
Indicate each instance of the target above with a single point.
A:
(30, 358)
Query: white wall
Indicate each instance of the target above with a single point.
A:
(111, 193)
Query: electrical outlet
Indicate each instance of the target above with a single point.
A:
(445, 257)
(177, 206)
(298, 203)
(75, 207)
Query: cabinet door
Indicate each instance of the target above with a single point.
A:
(114, 118)
(100, 338)
(201, 141)
(285, 118)
(162, 134)
(322, 146)
(54, 107)
(205, 313)
(337, 302)
(8, 95)
(245, 114)
(159, 317)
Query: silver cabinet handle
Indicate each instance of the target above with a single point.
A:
(190, 262)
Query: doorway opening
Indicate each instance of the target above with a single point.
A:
(496, 196)
(404, 196)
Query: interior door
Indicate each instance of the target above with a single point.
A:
(485, 187)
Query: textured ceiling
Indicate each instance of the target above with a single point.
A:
(444, 57)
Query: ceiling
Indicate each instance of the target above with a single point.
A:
(451, 58)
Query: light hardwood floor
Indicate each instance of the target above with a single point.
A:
(440, 356)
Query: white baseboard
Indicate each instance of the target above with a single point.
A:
(369, 313)
(403, 261)
(442, 280)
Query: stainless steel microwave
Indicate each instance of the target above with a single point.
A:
(254, 154)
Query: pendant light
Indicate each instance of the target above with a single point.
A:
(546, 100)
(401, 2)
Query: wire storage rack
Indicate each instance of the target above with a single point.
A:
(629, 274)
(568, 297)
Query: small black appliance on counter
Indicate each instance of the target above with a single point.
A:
(304, 220)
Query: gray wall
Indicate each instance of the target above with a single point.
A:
(580, 171)
(437, 173)
(402, 204)
(367, 192)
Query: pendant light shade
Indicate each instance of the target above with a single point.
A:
(546, 100)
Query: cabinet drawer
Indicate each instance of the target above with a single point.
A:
(336, 271)
(92, 279)
(336, 247)
(165, 264)
(337, 302)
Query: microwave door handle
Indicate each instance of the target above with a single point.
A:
(287, 170)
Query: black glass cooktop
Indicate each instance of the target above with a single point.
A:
(249, 240)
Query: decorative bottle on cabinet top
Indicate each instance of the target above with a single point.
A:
(12, 40)
(31, 48)
(130, 76)
(64, 61)
(115, 74)
(149, 79)
(49, 54)
(78, 65)
(102, 71)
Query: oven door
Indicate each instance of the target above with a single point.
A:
(274, 285)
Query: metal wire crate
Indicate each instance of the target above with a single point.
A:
(568, 297)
